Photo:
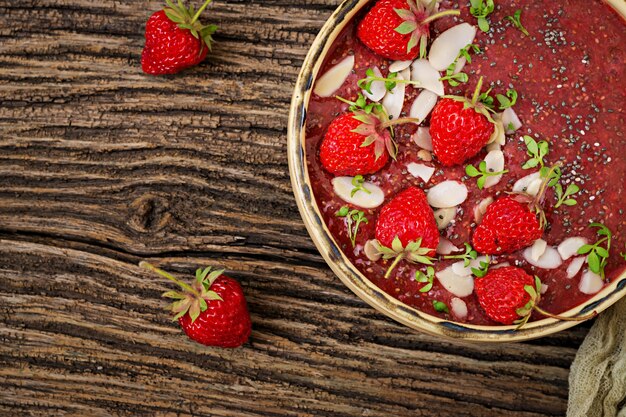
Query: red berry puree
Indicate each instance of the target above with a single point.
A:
(569, 75)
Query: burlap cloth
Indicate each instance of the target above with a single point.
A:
(598, 375)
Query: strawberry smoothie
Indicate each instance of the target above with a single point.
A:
(569, 74)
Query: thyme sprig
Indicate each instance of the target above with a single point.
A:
(354, 218)
(598, 253)
(517, 22)
(482, 172)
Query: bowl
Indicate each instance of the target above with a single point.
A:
(346, 271)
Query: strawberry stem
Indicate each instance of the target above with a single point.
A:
(579, 318)
(167, 275)
(441, 14)
(394, 264)
(477, 91)
(402, 120)
(200, 10)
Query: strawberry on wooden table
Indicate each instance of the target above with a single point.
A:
(406, 229)
(399, 29)
(509, 295)
(175, 39)
(460, 128)
(212, 310)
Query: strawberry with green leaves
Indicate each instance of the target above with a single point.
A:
(212, 310)
(175, 39)
(460, 127)
(360, 142)
(406, 229)
(399, 29)
(509, 295)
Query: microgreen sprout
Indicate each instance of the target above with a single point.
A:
(537, 151)
(461, 77)
(357, 183)
(427, 278)
(563, 197)
(354, 218)
(480, 9)
(390, 81)
(467, 257)
(440, 306)
(507, 100)
(517, 22)
(482, 173)
(482, 271)
(597, 254)
(361, 104)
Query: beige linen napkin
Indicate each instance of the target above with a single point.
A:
(597, 378)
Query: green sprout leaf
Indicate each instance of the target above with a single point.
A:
(482, 173)
(507, 100)
(563, 197)
(390, 82)
(354, 218)
(469, 255)
(440, 306)
(427, 278)
(361, 104)
(480, 9)
(598, 253)
(482, 271)
(537, 151)
(517, 22)
(357, 183)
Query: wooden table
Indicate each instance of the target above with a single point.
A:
(102, 166)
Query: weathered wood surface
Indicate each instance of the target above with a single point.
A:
(101, 166)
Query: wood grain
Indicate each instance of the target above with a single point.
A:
(102, 166)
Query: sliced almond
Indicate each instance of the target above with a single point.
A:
(444, 217)
(510, 121)
(428, 77)
(394, 99)
(498, 135)
(481, 208)
(446, 247)
(537, 249)
(590, 282)
(423, 105)
(447, 194)
(422, 171)
(371, 250)
(458, 307)
(445, 48)
(534, 187)
(575, 266)
(459, 285)
(569, 247)
(494, 163)
(521, 185)
(550, 259)
(544, 288)
(398, 66)
(343, 189)
(378, 88)
(424, 155)
(422, 137)
(493, 146)
(334, 78)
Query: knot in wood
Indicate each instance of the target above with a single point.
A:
(149, 213)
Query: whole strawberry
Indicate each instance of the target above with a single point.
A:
(507, 226)
(212, 310)
(344, 150)
(503, 296)
(509, 295)
(395, 28)
(406, 229)
(175, 40)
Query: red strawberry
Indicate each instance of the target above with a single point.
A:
(406, 228)
(509, 295)
(175, 40)
(502, 295)
(507, 226)
(347, 147)
(393, 28)
(212, 310)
